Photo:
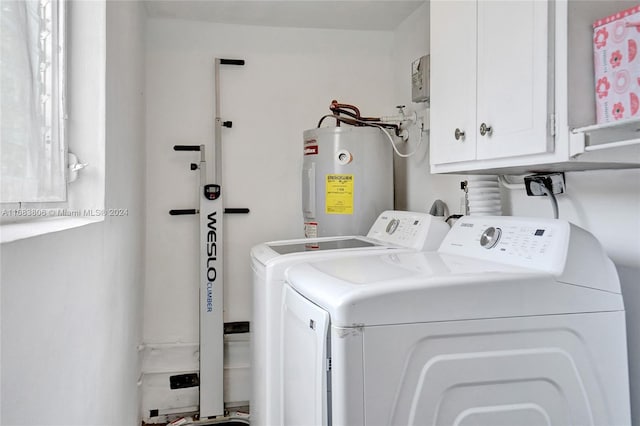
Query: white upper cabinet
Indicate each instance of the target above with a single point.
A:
(489, 90)
(453, 81)
(510, 80)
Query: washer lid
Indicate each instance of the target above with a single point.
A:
(309, 249)
(425, 287)
(297, 247)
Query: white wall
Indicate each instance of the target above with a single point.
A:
(71, 301)
(416, 189)
(290, 77)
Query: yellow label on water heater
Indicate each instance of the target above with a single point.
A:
(339, 194)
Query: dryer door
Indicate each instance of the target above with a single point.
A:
(305, 365)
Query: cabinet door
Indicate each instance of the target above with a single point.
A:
(453, 81)
(513, 77)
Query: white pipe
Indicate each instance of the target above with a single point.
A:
(400, 118)
(393, 145)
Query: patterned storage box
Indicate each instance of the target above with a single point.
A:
(617, 65)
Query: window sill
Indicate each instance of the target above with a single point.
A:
(15, 231)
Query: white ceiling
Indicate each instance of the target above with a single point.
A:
(383, 15)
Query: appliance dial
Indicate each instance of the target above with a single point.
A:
(392, 226)
(490, 237)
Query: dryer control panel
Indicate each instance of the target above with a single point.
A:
(532, 243)
(419, 231)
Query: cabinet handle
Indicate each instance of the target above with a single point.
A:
(459, 134)
(485, 130)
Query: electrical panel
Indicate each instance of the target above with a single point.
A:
(420, 79)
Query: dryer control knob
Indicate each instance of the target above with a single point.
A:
(490, 237)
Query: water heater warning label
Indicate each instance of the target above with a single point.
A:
(311, 147)
(339, 196)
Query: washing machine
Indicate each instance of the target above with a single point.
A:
(392, 232)
(512, 321)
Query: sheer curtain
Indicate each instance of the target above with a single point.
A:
(32, 154)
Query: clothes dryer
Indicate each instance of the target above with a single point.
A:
(392, 232)
(512, 321)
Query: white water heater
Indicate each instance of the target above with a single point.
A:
(347, 179)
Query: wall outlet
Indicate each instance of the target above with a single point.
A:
(553, 182)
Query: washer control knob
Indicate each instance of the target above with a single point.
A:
(392, 226)
(490, 237)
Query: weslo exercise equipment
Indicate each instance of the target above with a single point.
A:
(211, 249)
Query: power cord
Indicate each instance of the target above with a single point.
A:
(541, 188)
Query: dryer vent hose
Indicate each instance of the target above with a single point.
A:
(483, 196)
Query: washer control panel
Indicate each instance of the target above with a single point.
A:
(537, 243)
(409, 229)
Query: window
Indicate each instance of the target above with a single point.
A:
(32, 73)
(53, 101)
